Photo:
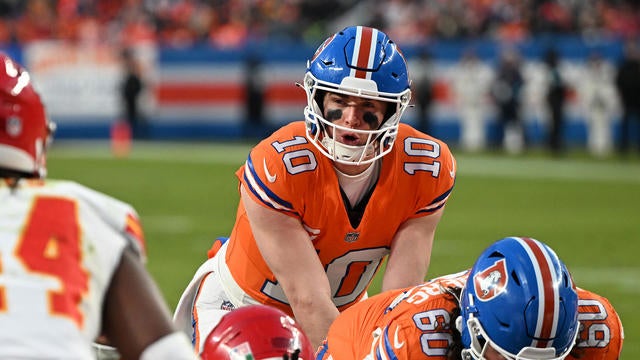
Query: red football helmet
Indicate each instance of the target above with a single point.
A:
(260, 331)
(24, 128)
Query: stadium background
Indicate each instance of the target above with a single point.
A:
(199, 93)
(181, 180)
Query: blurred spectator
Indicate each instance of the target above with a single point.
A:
(38, 21)
(131, 89)
(471, 83)
(231, 23)
(553, 16)
(421, 70)
(254, 101)
(506, 92)
(600, 100)
(555, 97)
(628, 86)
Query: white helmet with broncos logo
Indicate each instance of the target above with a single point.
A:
(357, 61)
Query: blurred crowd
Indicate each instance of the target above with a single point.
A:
(507, 84)
(233, 23)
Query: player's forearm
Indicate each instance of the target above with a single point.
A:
(315, 318)
(409, 277)
(410, 255)
(405, 269)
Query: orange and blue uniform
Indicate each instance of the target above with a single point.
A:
(288, 174)
(416, 323)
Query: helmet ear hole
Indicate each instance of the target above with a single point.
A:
(516, 278)
(566, 280)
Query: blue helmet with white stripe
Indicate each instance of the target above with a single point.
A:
(520, 299)
(358, 61)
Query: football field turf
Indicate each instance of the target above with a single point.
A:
(587, 210)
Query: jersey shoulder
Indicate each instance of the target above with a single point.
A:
(601, 334)
(422, 312)
(115, 213)
(282, 167)
(394, 325)
(416, 145)
(425, 167)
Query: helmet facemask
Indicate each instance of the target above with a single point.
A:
(321, 130)
(480, 343)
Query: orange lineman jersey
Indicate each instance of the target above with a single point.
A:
(416, 323)
(287, 173)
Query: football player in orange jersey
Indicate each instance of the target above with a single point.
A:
(325, 200)
(70, 257)
(517, 302)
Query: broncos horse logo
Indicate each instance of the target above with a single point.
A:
(492, 281)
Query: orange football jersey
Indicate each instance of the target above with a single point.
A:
(412, 323)
(601, 332)
(287, 173)
(416, 323)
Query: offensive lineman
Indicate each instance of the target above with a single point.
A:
(518, 299)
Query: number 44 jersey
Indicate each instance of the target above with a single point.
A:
(417, 323)
(287, 173)
(60, 243)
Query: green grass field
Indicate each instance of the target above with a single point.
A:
(587, 210)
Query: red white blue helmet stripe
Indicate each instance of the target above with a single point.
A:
(364, 51)
(549, 304)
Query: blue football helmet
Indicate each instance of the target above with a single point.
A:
(520, 299)
(358, 61)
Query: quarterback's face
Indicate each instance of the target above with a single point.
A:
(354, 113)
